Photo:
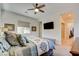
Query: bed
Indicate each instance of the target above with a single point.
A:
(34, 46)
(42, 45)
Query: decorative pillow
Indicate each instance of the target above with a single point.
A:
(1, 48)
(21, 40)
(24, 38)
(3, 42)
(11, 38)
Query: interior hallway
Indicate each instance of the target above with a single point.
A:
(67, 20)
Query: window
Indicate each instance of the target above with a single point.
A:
(23, 30)
(23, 27)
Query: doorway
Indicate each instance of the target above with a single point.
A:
(67, 33)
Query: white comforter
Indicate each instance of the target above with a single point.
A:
(42, 45)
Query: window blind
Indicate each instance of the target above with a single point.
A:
(23, 24)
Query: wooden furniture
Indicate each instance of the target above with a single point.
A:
(74, 53)
(75, 47)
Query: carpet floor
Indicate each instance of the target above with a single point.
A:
(61, 51)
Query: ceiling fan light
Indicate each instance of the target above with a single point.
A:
(36, 10)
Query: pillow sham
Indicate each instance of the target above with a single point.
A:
(24, 38)
(4, 43)
(11, 38)
(21, 40)
(1, 48)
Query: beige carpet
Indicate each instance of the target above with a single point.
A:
(61, 51)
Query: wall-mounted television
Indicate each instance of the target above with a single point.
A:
(49, 25)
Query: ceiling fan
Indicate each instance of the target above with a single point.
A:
(37, 8)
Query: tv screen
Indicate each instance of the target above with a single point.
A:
(49, 25)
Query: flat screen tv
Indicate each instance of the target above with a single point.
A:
(49, 25)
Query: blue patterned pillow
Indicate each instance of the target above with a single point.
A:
(24, 39)
(4, 43)
(1, 47)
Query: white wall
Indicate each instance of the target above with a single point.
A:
(76, 25)
(12, 18)
(0, 13)
(53, 33)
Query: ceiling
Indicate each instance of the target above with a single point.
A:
(51, 9)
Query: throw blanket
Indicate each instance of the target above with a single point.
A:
(42, 45)
(19, 51)
(29, 50)
(51, 43)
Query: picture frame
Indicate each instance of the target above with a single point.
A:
(10, 27)
(34, 28)
(71, 33)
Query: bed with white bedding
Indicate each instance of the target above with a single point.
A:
(43, 45)
(35, 46)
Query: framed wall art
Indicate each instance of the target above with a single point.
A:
(10, 27)
(34, 28)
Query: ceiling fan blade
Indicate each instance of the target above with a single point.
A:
(41, 6)
(31, 9)
(41, 11)
(36, 4)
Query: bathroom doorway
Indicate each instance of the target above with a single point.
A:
(67, 29)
